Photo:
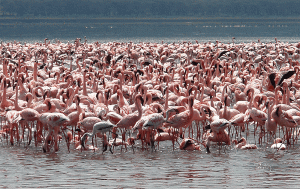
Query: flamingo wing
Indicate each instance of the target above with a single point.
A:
(286, 76)
(155, 120)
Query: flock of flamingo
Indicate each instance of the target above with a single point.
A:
(192, 94)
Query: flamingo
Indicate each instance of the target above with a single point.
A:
(100, 127)
(188, 144)
(55, 121)
(242, 144)
(179, 69)
(220, 137)
(112, 116)
(228, 113)
(283, 118)
(5, 103)
(238, 120)
(129, 120)
(182, 119)
(152, 122)
(257, 115)
(271, 125)
(278, 144)
(88, 123)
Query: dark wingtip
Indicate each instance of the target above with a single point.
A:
(195, 63)
(82, 142)
(78, 130)
(78, 99)
(142, 100)
(110, 149)
(286, 76)
(277, 111)
(189, 142)
(207, 127)
(192, 102)
(272, 79)
(49, 105)
(104, 147)
(267, 104)
(190, 90)
(248, 91)
(207, 149)
(241, 140)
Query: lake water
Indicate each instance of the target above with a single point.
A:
(150, 30)
(226, 167)
(29, 167)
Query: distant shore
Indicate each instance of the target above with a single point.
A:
(151, 19)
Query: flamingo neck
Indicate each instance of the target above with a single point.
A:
(191, 111)
(22, 88)
(276, 96)
(121, 81)
(287, 101)
(17, 107)
(223, 92)
(3, 95)
(78, 66)
(5, 67)
(29, 102)
(202, 93)
(79, 109)
(84, 92)
(133, 80)
(121, 100)
(167, 99)
(35, 71)
(225, 111)
(139, 108)
(269, 113)
(251, 99)
(57, 79)
(217, 71)
(173, 74)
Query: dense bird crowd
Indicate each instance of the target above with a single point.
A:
(192, 94)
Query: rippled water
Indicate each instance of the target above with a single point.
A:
(225, 167)
(29, 167)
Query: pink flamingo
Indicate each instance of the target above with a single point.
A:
(5, 103)
(55, 121)
(100, 127)
(283, 119)
(182, 119)
(242, 144)
(271, 125)
(113, 117)
(189, 145)
(27, 115)
(218, 137)
(278, 144)
(129, 120)
(228, 113)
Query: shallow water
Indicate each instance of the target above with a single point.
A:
(29, 167)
